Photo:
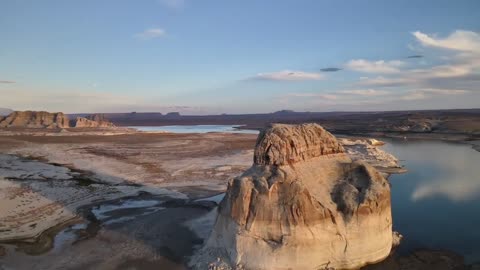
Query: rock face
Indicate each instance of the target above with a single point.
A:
(33, 119)
(304, 204)
(92, 121)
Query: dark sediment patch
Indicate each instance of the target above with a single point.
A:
(43, 242)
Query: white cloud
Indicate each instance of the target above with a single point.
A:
(414, 95)
(373, 96)
(314, 95)
(343, 96)
(151, 33)
(381, 81)
(381, 66)
(365, 92)
(461, 66)
(288, 75)
(431, 92)
(445, 91)
(459, 40)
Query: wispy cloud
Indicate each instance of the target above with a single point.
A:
(460, 66)
(459, 40)
(372, 96)
(313, 95)
(381, 81)
(380, 66)
(6, 82)
(330, 69)
(414, 56)
(289, 75)
(341, 95)
(151, 33)
(431, 92)
(365, 92)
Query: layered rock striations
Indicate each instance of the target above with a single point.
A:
(304, 204)
(92, 121)
(41, 119)
(34, 119)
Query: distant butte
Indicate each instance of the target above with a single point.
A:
(58, 120)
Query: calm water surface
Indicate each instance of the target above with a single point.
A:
(196, 129)
(437, 203)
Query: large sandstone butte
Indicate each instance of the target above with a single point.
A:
(34, 119)
(304, 204)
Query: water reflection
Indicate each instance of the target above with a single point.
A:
(436, 204)
(452, 170)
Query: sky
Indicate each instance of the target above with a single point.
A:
(249, 56)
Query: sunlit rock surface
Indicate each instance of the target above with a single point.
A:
(92, 121)
(34, 119)
(304, 204)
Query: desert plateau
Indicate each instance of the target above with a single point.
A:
(117, 197)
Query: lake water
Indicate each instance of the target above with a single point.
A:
(196, 129)
(436, 205)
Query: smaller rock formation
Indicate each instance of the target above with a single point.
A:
(92, 121)
(33, 119)
(304, 204)
(367, 150)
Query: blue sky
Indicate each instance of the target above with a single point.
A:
(205, 56)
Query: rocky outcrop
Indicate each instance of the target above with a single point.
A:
(413, 126)
(367, 150)
(92, 121)
(33, 119)
(304, 204)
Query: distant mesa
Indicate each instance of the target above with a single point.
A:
(283, 112)
(35, 119)
(58, 120)
(172, 115)
(304, 204)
